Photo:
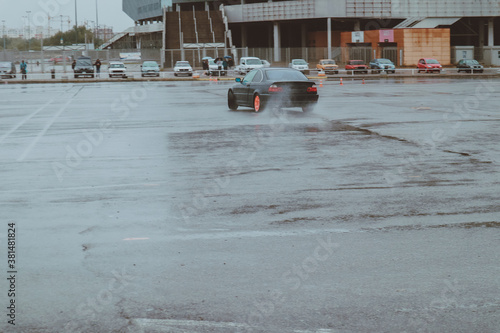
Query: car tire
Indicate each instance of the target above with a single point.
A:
(308, 108)
(231, 101)
(75, 76)
(257, 104)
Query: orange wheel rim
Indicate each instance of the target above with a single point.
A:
(257, 103)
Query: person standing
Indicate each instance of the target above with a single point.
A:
(98, 67)
(73, 65)
(24, 70)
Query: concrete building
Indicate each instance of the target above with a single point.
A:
(320, 28)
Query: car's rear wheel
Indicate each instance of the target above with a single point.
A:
(231, 101)
(257, 103)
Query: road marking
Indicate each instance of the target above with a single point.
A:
(42, 133)
(12, 130)
(135, 239)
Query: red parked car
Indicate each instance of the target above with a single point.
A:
(356, 66)
(428, 65)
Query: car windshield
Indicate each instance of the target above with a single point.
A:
(84, 62)
(150, 64)
(384, 61)
(357, 62)
(472, 62)
(432, 61)
(328, 62)
(285, 75)
(5, 64)
(254, 62)
(117, 66)
(182, 63)
(299, 62)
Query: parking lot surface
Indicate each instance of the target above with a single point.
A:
(150, 207)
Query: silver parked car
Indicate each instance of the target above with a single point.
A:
(150, 68)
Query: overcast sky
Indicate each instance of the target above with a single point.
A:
(110, 12)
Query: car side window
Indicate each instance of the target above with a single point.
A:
(249, 77)
(257, 77)
(422, 61)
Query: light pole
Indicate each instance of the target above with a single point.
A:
(96, 15)
(29, 29)
(3, 30)
(25, 18)
(76, 22)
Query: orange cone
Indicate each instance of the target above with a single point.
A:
(363, 81)
(321, 83)
(341, 82)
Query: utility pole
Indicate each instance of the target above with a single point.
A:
(29, 29)
(76, 22)
(96, 15)
(3, 24)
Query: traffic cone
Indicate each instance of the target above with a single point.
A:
(363, 81)
(341, 82)
(321, 83)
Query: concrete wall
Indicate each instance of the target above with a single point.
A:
(414, 44)
(426, 43)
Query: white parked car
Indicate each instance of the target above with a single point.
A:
(183, 68)
(117, 68)
(248, 64)
(300, 65)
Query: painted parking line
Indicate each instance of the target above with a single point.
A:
(22, 122)
(42, 133)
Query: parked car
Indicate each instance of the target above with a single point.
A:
(215, 69)
(328, 66)
(248, 64)
(381, 65)
(183, 68)
(265, 63)
(470, 65)
(150, 68)
(300, 65)
(83, 67)
(356, 66)
(7, 69)
(276, 87)
(117, 68)
(429, 65)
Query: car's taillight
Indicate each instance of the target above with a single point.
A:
(275, 88)
(312, 90)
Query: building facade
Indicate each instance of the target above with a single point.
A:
(307, 24)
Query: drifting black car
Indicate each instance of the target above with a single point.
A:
(273, 87)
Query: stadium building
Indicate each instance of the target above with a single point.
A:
(280, 30)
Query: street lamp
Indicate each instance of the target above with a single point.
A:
(29, 29)
(76, 22)
(3, 24)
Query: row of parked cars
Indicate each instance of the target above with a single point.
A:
(376, 66)
(85, 67)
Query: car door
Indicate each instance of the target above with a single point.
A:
(241, 90)
(255, 82)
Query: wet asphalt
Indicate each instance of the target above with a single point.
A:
(150, 207)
